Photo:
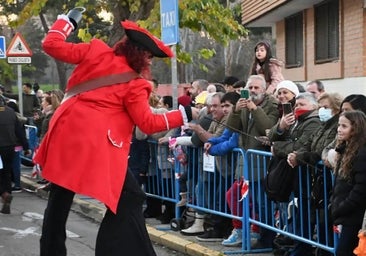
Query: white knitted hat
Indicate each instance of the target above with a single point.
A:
(289, 85)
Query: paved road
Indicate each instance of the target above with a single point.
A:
(161, 234)
(20, 231)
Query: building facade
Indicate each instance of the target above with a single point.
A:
(317, 39)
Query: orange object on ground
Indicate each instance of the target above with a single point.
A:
(361, 248)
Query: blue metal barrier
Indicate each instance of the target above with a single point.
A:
(300, 219)
(33, 141)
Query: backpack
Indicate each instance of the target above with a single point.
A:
(279, 180)
(320, 192)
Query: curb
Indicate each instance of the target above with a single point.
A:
(96, 213)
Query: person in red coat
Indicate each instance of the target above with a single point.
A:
(86, 148)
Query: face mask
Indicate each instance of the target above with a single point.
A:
(325, 114)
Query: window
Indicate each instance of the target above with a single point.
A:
(294, 40)
(327, 31)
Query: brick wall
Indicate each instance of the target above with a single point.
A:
(352, 59)
(354, 38)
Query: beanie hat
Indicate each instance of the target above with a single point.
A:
(184, 100)
(289, 85)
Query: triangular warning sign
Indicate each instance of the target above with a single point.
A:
(18, 47)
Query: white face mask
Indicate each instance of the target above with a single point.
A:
(325, 114)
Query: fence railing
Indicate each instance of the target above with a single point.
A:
(301, 219)
(33, 141)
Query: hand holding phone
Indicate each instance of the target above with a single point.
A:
(244, 94)
(287, 108)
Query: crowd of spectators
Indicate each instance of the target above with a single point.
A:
(309, 133)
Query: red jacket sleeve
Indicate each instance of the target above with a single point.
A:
(139, 110)
(55, 45)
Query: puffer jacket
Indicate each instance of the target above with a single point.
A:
(275, 70)
(348, 200)
(294, 138)
(312, 150)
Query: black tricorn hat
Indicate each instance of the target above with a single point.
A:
(146, 40)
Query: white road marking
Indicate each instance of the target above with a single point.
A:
(29, 216)
(19, 233)
(71, 234)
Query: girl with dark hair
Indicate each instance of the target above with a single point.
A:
(354, 102)
(351, 102)
(264, 64)
(348, 200)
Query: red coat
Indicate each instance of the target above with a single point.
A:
(87, 145)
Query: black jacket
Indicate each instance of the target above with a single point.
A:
(348, 201)
(30, 103)
(11, 130)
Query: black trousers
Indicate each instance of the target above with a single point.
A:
(7, 155)
(348, 240)
(123, 233)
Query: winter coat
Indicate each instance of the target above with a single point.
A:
(204, 120)
(11, 130)
(221, 147)
(223, 144)
(294, 138)
(254, 123)
(275, 70)
(348, 200)
(88, 141)
(30, 103)
(312, 150)
(139, 156)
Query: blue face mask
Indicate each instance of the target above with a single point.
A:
(325, 114)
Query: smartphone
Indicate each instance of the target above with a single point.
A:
(287, 108)
(244, 94)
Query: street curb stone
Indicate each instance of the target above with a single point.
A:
(95, 211)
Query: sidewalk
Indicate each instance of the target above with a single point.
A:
(160, 234)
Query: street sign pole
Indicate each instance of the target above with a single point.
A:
(20, 89)
(174, 78)
(170, 36)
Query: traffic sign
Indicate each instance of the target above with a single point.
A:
(18, 47)
(169, 21)
(2, 47)
(19, 60)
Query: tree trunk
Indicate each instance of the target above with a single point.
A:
(61, 70)
(122, 13)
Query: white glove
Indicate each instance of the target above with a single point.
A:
(332, 157)
(184, 115)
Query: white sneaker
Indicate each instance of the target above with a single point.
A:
(234, 239)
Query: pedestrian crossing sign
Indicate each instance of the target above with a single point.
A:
(18, 47)
(2, 47)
